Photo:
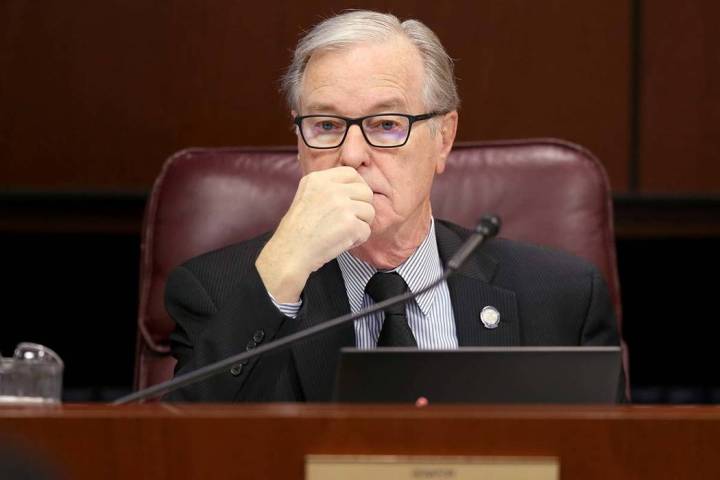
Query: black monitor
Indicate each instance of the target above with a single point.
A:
(480, 375)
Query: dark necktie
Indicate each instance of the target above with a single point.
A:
(395, 330)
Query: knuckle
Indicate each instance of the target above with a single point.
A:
(348, 218)
(313, 178)
(334, 202)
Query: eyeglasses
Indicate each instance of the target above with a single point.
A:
(386, 130)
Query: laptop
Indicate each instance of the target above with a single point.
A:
(480, 375)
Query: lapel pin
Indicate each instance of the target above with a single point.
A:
(490, 317)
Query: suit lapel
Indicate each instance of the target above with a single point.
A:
(471, 290)
(316, 359)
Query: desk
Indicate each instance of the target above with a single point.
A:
(176, 441)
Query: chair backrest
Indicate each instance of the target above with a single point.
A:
(547, 192)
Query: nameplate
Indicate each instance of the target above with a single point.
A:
(390, 467)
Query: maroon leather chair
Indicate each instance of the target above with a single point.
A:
(547, 192)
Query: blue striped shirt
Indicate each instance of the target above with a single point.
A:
(430, 315)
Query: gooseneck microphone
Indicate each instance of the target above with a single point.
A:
(488, 227)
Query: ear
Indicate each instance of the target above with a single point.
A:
(446, 139)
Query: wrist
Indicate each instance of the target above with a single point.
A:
(283, 276)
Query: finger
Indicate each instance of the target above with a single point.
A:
(364, 211)
(363, 233)
(323, 180)
(358, 191)
(344, 174)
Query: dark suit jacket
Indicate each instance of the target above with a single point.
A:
(220, 304)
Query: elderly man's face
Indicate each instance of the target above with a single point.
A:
(371, 78)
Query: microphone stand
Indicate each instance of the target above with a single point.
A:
(487, 228)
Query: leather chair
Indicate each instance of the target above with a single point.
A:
(547, 192)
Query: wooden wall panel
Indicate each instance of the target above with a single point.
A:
(680, 97)
(94, 95)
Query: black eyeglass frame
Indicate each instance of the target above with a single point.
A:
(349, 122)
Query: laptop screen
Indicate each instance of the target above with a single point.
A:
(480, 375)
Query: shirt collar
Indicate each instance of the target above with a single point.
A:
(418, 271)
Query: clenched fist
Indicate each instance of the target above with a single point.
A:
(331, 213)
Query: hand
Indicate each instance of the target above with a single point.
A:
(331, 213)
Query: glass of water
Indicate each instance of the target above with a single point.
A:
(33, 375)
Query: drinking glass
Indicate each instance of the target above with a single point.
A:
(33, 375)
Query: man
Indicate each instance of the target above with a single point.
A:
(375, 108)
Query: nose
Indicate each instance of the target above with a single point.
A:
(354, 151)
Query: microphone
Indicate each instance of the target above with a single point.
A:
(488, 227)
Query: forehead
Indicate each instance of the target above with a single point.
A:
(362, 78)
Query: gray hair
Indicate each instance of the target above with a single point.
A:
(350, 28)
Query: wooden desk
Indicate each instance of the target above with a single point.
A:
(170, 441)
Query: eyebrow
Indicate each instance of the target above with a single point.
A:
(386, 105)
